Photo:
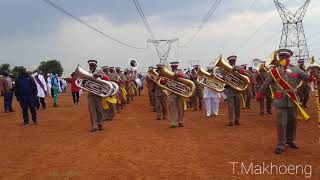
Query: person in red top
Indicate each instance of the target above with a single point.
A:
(74, 90)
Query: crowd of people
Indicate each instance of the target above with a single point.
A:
(282, 83)
(30, 90)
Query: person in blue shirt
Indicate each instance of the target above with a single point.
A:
(26, 93)
(55, 88)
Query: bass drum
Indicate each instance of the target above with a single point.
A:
(139, 83)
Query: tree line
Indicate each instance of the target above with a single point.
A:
(45, 67)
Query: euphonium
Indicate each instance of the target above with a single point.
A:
(224, 71)
(211, 82)
(97, 86)
(180, 86)
(153, 75)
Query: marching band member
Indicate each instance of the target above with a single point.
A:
(260, 77)
(107, 103)
(285, 76)
(129, 88)
(124, 99)
(151, 91)
(94, 101)
(160, 99)
(248, 93)
(116, 78)
(304, 89)
(253, 89)
(198, 95)
(176, 103)
(212, 100)
(233, 97)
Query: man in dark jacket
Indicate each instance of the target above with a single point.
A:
(26, 93)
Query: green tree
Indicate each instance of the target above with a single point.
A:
(50, 66)
(17, 70)
(4, 68)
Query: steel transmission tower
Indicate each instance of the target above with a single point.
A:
(163, 55)
(293, 36)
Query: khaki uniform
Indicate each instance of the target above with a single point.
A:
(233, 100)
(260, 77)
(198, 94)
(249, 92)
(304, 92)
(95, 109)
(151, 91)
(286, 108)
(161, 102)
(176, 107)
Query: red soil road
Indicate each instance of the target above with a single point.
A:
(136, 146)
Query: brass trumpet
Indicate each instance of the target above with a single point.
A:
(180, 86)
(211, 82)
(224, 71)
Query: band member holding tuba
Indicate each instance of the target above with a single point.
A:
(94, 101)
(151, 91)
(304, 89)
(160, 99)
(176, 102)
(260, 77)
(198, 95)
(285, 78)
(233, 96)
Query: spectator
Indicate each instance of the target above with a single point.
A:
(74, 90)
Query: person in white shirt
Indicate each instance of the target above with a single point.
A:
(49, 84)
(42, 89)
(212, 99)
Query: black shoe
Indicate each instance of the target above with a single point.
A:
(293, 145)
(35, 123)
(180, 124)
(237, 123)
(173, 126)
(269, 112)
(100, 127)
(278, 151)
(93, 130)
(230, 124)
(158, 118)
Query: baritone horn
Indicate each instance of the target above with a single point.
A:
(180, 86)
(224, 71)
(97, 86)
(211, 82)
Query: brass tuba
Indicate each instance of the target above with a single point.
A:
(97, 86)
(180, 86)
(224, 71)
(211, 82)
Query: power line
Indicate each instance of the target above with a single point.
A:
(138, 7)
(255, 32)
(60, 9)
(204, 21)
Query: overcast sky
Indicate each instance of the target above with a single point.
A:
(32, 31)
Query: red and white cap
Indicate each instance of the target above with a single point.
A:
(301, 61)
(92, 61)
(285, 52)
(232, 58)
(174, 64)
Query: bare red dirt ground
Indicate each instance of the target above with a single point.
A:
(136, 146)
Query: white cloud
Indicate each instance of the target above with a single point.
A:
(73, 43)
